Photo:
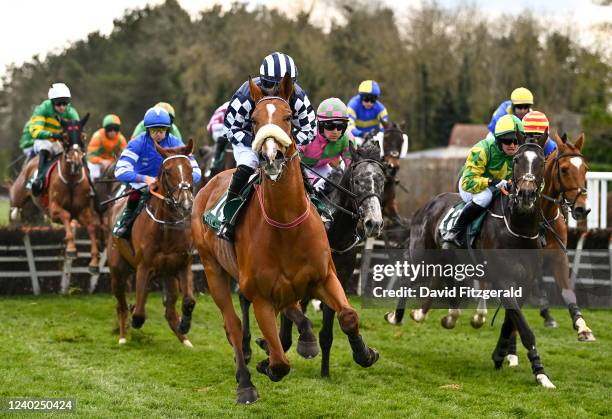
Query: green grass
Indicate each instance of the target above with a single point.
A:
(4, 211)
(66, 347)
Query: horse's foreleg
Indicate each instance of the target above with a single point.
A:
(186, 282)
(58, 213)
(88, 219)
(560, 269)
(277, 365)
(326, 337)
(170, 312)
(503, 342)
(118, 285)
(529, 342)
(307, 342)
(331, 293)
(245, 306)
(219, 287)
(138, 315)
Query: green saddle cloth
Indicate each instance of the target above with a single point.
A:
(451, 216)
(225, 210)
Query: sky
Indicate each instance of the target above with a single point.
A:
(71, 20)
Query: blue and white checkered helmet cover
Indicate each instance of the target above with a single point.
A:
(276, 65)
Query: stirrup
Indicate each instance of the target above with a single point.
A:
(224, 232)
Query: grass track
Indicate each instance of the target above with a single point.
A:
(66, 347)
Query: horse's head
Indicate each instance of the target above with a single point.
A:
(271, 121)
(394, 146)
(176, 178)
(73, 140)
(365, 177)
(568, 171)
(528, 173)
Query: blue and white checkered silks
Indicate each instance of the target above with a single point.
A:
(276, 65)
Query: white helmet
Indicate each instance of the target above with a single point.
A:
(58, 90)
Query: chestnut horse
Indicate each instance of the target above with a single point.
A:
(281, 253)
(161, 246)
(69, 193)
(565, 190)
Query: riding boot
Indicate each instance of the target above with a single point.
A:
(239, 180)
(456, 235)
(39, 183)
(123, 227)
(219, 147)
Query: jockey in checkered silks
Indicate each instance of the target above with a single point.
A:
(238, 127)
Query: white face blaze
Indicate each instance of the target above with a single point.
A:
(270, 149)
(576, 161)
(271, 109)
(531, 156)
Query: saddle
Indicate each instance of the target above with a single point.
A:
(451, 216)
(225, 210)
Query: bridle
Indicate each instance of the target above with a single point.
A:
(526, 177)
(170, 192)
(565, 203)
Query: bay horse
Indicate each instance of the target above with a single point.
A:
(280, 254)
(564, 189)
(517, 227)
(160, 246)
(356, 216)
(69, 193)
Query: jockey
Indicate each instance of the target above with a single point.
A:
(536, 123)
(331, 144)
(44, 130)
(238, 124)
(519, 104)
(488, 167)
(140, 163)
(140, 128)
(105, 146)
(366, 112)
(216, 130)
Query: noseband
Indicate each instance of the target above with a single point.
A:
(526, 177)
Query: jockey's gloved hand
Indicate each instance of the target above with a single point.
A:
(57, 136)
(502, 184)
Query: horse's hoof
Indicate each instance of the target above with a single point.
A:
(448, 322)
(71, 254)
(246, 395)
(586, 336)
(122, 341)
(417, 315)
(551, 323)
(544, 381)
(187, 343)
(261, 342)
(513, 360)
(478, 321)
(373, 356)
(137, 321)
(94, 270)
(307, 349)
(280, 371)
(390, 318)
